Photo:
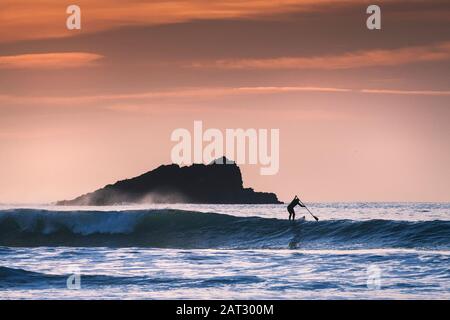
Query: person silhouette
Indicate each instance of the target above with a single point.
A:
(290, 207)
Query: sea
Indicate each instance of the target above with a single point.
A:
(187, 251)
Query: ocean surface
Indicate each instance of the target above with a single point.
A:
(355, 251)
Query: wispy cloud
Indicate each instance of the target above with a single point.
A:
(169, 95)
(25, 19)
(174, 97)
(55, 60)
(408, 92)
(357, 59)
(289, 89)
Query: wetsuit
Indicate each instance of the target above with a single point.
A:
(290, 207)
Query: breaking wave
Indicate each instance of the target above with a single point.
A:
(165, 228)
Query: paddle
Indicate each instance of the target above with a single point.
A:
(317, 219)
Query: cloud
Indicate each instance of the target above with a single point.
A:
(25, 19)
(408, 92)
(289, 89)
(143, 101)
(357, 59)
(131, 101)
(122, 99)
(55, 60)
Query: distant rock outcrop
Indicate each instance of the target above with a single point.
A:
(198, 183)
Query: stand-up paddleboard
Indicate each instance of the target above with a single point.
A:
(299, 219)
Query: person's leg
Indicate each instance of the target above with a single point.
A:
(291, 214)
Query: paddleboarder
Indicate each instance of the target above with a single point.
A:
(290, 207)
(295, 202)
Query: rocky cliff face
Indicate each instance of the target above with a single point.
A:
(198, 183)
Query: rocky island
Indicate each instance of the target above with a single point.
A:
(216, 183)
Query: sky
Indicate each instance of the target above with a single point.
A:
(363, 115)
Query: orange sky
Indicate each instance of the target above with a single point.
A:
(363, 115)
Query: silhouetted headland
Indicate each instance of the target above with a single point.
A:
(198, 183)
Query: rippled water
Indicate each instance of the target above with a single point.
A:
(358, 250)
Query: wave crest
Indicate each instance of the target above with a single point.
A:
(188, 229)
